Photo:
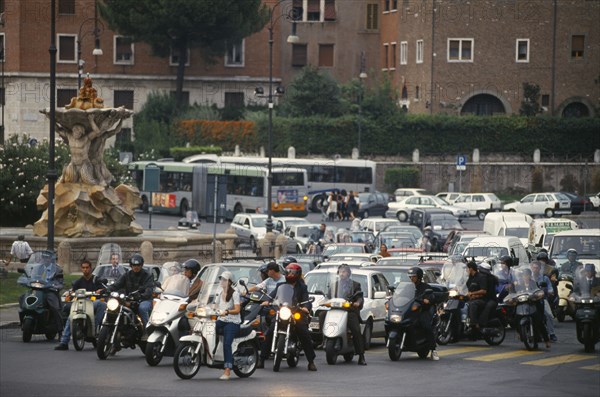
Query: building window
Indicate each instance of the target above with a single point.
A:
(403, 53)
(522, 54)
(393, 52)
(313, 11)
(235, 54)
(326, 55)
(577, 46)
(123, 98)
(372, 16)
(63, 97)
(386, 57)
(394, 5)
(386, 6)
(66, 48)
(460, 50)
(234, 99)
(299, 55)
(185, 96)
(66, 7)
(297, 10)
(545, 100)
(419, 51)
(123, 50)
(330, 14)
(417, 92)
(174, 58)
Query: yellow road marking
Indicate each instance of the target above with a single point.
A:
(502, 356)
(461, 350)
(595, 367)
(569, 358)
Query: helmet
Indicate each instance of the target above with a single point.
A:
(293, 271)
(287, 260)
(507, 260)
(136, 259)
(589, 267)
(193, 265)
(571, 251)
(415, 271)
(542, 256)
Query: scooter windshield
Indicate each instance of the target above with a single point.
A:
(285, 295)
(583, 285)
(523, 281)
(342, 287)
(403, 294)
(454, 276)
(107, 251)
(211, 285)
(178, 285)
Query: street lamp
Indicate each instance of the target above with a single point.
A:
(292, 39)
(97, 50)
(361, 77)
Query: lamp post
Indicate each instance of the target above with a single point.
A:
(361, 77)
(52, 176)
(292, 38)
(97, 50)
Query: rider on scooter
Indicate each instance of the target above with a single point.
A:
(572, 264)
(426, 318)
(477, 285)
(191, 268)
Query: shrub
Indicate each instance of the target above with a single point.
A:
(401, 177)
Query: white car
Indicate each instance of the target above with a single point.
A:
(478, 204)
(375, 288)
(402, 193)
(402, 209)
(376, 225)
(595, 200)
(449, 197)
(547, 204)
(249, 228)
(281, 223)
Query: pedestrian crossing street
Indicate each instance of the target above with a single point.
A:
(540, 358)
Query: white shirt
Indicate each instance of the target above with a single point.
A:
(269, 284)
(21, 249)
(223, 305)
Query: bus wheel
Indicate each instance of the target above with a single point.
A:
(184, 207)
(317, 203)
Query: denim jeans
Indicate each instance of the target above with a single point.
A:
(99, 309)
(230, 330)
(144, 311)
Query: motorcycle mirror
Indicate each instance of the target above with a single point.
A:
(569, 286)
(242, 282)
(311, 299)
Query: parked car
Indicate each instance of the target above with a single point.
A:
(402, 193)
(249, 228)
(372, 204)
(415, 231)
(578, 203)
(478, 204)
(281, 223)
(595, 201)
(546, 204)
(449, 197)
(298, 236)
(375, 225)
(402, 209)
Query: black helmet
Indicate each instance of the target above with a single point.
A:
(193, 265)
(542, 256)
(507, 260)
(287, 260)
(415, 271)
(136, 259)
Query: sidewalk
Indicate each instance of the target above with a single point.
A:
(9, 317)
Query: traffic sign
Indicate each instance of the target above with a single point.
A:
(461, 163)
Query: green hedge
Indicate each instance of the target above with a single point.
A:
(401, 177)
(179, 153)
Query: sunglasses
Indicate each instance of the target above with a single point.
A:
(135, 264)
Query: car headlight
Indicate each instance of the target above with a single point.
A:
(395, 318)
(112, 304)
(285, 313)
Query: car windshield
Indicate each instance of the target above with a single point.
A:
(340, 249)
(362, 237)
(445, 224)
(395, 276)
(306, 231)
(485, 252)
(520, 232)
(259, 222)
(439, 201)
(587, 247)
(248, 273)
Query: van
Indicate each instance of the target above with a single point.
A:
(542, 231)
(585, 241)
(496, 246)
(513, 224)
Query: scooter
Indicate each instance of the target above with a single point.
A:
(165, 327)
(204, 346)
(82, 317)
(35, 316)
(337, 336)
(565, 307)
(587, 314)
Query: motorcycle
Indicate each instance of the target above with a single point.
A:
(402, 322)
(34, 314)
(165, 327)
(121, 326)
(285, 341)
(204, 346)
(454, 323)
(587, 313)
(525, 296)
(566, 306)
(82, 318)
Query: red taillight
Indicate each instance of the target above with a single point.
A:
(504, 310)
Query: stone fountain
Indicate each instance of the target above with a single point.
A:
(85, 203)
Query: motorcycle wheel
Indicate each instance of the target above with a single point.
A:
(423, 353)
(250, 353)
(27, 329)
(588, 342)
(444, 336)
(560, 314)
(527, 338)
(495, 340)
(104, 347)
(280, 347)
(368, 334)
(78, 334)
(348, 357)
(330, 353)
(394, 350)
(185, 363)
(153, 353)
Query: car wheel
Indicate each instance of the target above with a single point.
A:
(481, 215)
(549, 213)
(402, 216)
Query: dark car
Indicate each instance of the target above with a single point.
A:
(372, 204)
(578, 203)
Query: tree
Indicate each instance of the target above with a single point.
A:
(530, 106)
(184, 24)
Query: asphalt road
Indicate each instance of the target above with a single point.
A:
(465, 369)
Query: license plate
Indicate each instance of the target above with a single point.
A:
(314, 325)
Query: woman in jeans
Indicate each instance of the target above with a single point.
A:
(228, 304)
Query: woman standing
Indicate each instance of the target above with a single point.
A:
(228, 304)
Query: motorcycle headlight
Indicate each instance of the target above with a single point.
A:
(452, 293)
(112, 304)
(201, 312)
(285, 313)
(523, 298)
(37, 285)
(395, 318)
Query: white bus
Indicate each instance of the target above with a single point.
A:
(324, 175)
(243, 188)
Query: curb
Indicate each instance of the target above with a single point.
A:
(9, 305)
(10, 324)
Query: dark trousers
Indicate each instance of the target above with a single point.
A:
(426, 323)
(540, 320)
(488, 312)
(301, 329)
(475, 309)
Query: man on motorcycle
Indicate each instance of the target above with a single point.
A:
(529, 284)
(137, 280)
(490, 297)
(294, 278)
(89, 282)
(572, 264)
(426, 318)
(191, 268)
(589, 273)
(541, 279)
(477, 285)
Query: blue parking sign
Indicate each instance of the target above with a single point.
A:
(461, 160)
